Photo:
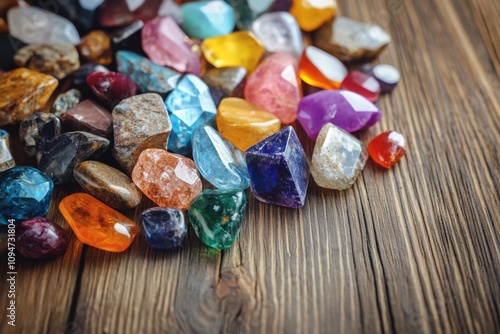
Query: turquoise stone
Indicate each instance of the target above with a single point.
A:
(189, 106)
(205, 19)
(24, 193)
(216, 216)
(219, 161)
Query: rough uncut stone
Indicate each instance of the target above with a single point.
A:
(164, 228)
(320, 69)
(248, 10)
(111, 87)
(387, 148)
(39, 238)
(24, 193)
(310, 14)
(64, 152)
(216, 216)
(205, 19)
(107, 184)
(66, 101)
(95, 47)
(278, 169)
(167, 179)
(90, 117)
(219, 161)
(338, 158)
(80, 76)
(6, 159)
(24, 91)
(139, 122)
(36, 130)
(96, 224)
(363, 84)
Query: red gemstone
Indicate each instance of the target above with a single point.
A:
(363, 84)
(387, 148)
(111, 87)
(38, 238)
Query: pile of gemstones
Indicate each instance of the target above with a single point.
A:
(159, 95)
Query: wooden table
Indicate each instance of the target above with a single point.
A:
(412, 249)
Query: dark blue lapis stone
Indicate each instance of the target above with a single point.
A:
(164, 228)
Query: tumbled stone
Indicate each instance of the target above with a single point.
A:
(96, 224)
(190, 105)
(164, 228)
(338, 158)
(225, 82)
(108, 185)
(139, 122)
(386, 75)
(90, 117)
(205, 19)
(387, 148)
(25, 193)
(240, 48)
(248, 10)
(320, 69)
(24, 91)
(36, 130)
(81, 13)
(39, 238)
(115, 13)
(311, 14)
(243, 123)
(279, 170)
(61, 154)
(168, 179)
(279, 32)
(66, 101)
(275, 86)
(95, 47)
(80, 76)
(219, 161)
(128, 37)
(6, 159)
(111, 87)
(351, 40)
(363, 84)
(216, 216)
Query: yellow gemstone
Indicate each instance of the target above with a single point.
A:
(243, 123)
(311, 14)
(240, 48)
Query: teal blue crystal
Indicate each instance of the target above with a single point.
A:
(248, 10)
(205, 19)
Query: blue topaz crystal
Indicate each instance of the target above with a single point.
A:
(219, 161)
(190, 105)
(279, 170)
(164, 228)
(24, 193)
(205, 19)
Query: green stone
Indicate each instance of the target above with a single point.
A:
(216, 216)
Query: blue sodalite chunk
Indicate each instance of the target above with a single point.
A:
(279, 170)
(205, 19)
(218, 160)
(189, 106)
(24, 193)
(164, 228)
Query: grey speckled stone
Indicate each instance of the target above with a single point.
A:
(36, 130)
(66, 101)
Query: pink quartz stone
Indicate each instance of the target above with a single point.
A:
(166, 44)
(275, 87)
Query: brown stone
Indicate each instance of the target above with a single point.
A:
(95, 47)
(3, 26)
(89, 116)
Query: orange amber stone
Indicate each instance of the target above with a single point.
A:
(96, 224)
(387, 148)
(95, 47)
(310, 14)
(320, 69)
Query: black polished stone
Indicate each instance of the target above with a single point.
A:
(8, 47)
(36, 130)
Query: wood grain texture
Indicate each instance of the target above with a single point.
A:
(415, 249)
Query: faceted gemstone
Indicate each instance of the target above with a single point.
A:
(244, 124)
(240, 48)
(248, 10)
(279, 170)
(24, 91)
(80, 76)
(363, 84)
(219, 161)
(96, 224)
(216, 216)
(320, 69)
(36, 130)
(338, 158)
(90, 117)
(95, 47)
(387, 76)
(139, 122)
(351, 40)
(107, 184)
(6, 159)
(167, 179)
(190, 105)
(279, 32)
(226, 81)
(39, 238)
(121, 12)
(347, 110)
(275, 86)
(149, 77)
(111, 87)
(310, 14)
(166, 44)
(387, 148)
(128, 37)
(24, 193)
(164, 228)
(205, 19)
(64, 152)
(66, 101)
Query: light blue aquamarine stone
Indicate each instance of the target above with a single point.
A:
(219, 161)
(189, 106)
(205, 19)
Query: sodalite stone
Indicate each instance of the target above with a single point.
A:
(190, 105)
(164, 228)
(279, 170)
(24, 193)
(204, 19)
(219, 161)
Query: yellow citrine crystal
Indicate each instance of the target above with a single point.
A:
(311, 14)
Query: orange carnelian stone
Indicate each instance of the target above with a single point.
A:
(96, 224)
(320, 69)
(387, 148)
